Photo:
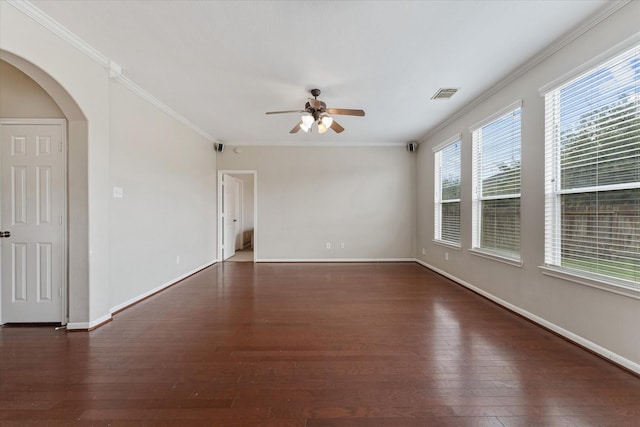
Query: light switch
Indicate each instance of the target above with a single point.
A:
(118, 193)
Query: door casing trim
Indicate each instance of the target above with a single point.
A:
(64, 300)
(219, 209)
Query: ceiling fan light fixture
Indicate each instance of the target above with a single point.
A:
(316, 111)
(307, 120)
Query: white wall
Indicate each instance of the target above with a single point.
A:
(120, 249)
(168, 176)
(597, 318)
(308, 196)
(83, 98)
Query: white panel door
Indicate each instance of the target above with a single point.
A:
(237, 229)
(231, 211)
(32, 211)
(228, 217)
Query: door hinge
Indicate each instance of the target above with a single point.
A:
(60, 146)
(60, 219)
(60, 292)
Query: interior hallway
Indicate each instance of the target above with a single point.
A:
(244, 255)
(283, 345)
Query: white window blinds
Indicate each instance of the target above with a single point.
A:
(593, 171)
(496, 185)
(447, 193)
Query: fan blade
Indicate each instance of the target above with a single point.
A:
(285, 112)
(345, 111)
(296, 128)
(336, 127)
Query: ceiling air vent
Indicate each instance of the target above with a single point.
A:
(445, 93)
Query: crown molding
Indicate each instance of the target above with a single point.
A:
(547, 52)
(129, 84)
(299, 143)
(114, 70)
(58, 29)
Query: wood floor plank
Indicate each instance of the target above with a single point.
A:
(408, 422)
(309, 345)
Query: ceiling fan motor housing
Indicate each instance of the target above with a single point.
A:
(315, 108)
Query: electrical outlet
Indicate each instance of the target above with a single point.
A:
(118, 193)
(178, 259)
(424, 251)
(446, 256)
(328, 245)
(342, 245)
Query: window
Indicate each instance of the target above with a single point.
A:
(592, 173)
(496, 184)
(447, 192)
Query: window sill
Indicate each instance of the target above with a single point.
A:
(447, 244)
(516, 262)
(592, 281)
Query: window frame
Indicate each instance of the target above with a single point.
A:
(553, 191)
(477, 198)
(437, 198)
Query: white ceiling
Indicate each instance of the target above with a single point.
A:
(223, 64)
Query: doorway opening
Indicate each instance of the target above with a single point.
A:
(237, 215)
(76, 283)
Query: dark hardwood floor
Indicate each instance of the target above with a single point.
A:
(310, 345)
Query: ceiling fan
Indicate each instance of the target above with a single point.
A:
(316, 111)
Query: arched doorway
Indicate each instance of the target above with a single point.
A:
(76, 189)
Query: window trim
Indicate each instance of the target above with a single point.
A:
(593, 62)
(437, 187)
(493, 117)
(447, 244)
(511, 259)
(486, 253)
(593, 280)
(455, 138)
(553, 226)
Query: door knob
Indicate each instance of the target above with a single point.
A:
(5, 234)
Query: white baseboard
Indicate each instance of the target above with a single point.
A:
(112, 310)
(84, 326)
(158, 288)
(607, 354)
(300, 260)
